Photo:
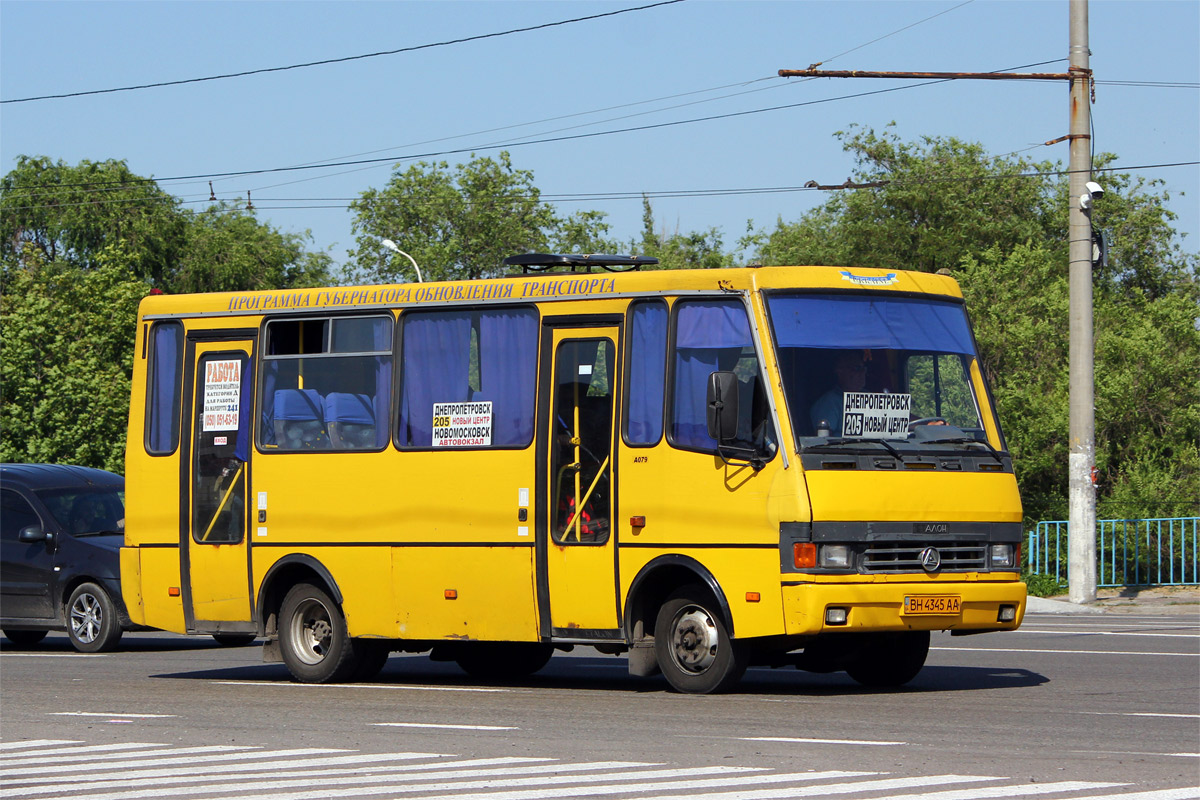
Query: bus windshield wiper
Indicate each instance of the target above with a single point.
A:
(840, 440)
(993, 452)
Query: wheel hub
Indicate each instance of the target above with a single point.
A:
(694, 639)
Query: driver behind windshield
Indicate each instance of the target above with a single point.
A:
(850, 372)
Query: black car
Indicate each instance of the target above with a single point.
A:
(60, 532)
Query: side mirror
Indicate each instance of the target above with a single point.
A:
(722, 406)
(31, 534)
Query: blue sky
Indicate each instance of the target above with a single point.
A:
(709, 57)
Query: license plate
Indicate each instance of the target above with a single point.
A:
(932, 604)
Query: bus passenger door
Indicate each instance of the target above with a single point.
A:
(577, 579)
(214, 540)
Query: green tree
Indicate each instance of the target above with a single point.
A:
(79, 247)
(693, 250)
(227, 250)
(1000, 225)
(67, 338)
(461, 223)
(51, 211)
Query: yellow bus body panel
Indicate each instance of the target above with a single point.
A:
(917, 496)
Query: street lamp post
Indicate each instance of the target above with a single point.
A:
(390, 245)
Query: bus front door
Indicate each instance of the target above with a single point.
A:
(576, 537)
(214, 540)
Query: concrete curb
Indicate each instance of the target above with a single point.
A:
(1044, 605)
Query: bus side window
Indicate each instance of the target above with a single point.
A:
(165, 379)
(647, 375)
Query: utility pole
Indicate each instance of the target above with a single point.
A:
(1081, 525)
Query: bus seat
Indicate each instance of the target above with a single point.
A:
(351, 421)
(300, 420)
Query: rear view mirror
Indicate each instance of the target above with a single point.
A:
(722, 406)
(31, 534)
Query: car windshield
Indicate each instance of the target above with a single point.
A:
(88, 510)
(861, 367)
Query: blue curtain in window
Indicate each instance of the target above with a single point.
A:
(647, 372)
(859, 322)
(382, 340)
(166, 358)
(710, 336)
(508, 373)
(437, 351)
(241, 449)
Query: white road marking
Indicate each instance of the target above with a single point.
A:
(365, 782)
(445, 726)
(73, 749)
(1135, 714)
(1156, 794)
(1020, 790)
(113, 714)
(554, 792)
(225, 769)
(35, 743)
(7, 772)
(388, 686)
(1072, 652)
(434, 769)
(94, 757)
(53, 655)
(814, 741)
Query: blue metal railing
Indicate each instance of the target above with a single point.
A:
(1129, 552)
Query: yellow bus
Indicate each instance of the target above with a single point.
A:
(702, 470)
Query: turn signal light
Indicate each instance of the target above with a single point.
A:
(753, 597)
(452, 594)
(804, 554)
(172, 591)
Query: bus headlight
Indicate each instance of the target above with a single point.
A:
(1002, 556)
(835, 556)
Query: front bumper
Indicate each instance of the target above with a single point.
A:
(878, 606)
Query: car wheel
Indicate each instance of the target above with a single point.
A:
(693, 646)
(313, 639)
(25, 638)
(891, 659)
(92, 622)
(233, 639)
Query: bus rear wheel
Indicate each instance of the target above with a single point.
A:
(890, 659)
(693, 646)
(313, 638)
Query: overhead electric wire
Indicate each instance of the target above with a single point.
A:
(579, 197)
(343, 59)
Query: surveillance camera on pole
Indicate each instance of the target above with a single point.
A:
(1094, 190)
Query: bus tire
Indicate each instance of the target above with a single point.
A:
(502, 660)
(693, 646)
(891, 659)
(92, 623)
(314, 641)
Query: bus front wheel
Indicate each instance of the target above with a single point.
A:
(693, 646)
(313, 638)
(890, 659)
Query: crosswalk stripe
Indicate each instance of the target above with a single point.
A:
(1020, 790)
(581, 791)
(76, 748)
(1155, 794)
(856, 787)
(94, 757)
(369, 784)
(207, 770)
(467, 768)
(35, 743)
(8, 772)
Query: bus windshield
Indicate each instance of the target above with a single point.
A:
(857, 366)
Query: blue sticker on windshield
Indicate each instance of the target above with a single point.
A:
(869, 280)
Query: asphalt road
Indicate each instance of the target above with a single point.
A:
(1071, 706)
